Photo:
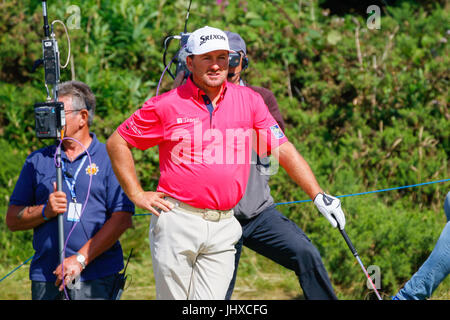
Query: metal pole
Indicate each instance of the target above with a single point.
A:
(44, 13)
(60, 216)
(59, 183)
(60, 125)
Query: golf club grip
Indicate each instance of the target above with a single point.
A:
(349, 243)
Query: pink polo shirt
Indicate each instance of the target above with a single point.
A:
(204, 157)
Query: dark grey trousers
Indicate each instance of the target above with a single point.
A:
(98, 289)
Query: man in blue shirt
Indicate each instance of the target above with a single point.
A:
(96, 210)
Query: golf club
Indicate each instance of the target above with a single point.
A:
(355, 253)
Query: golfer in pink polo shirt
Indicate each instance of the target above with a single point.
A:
(205, 131)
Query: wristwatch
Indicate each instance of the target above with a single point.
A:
(81, 259)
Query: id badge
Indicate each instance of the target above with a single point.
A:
(74, 211)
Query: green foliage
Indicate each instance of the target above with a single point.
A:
(364, 120)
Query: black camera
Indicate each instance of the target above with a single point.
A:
(51, 61)
(49, 119)
(49, 116)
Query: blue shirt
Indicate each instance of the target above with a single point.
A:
(33, 187)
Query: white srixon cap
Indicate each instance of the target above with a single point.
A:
(207, 39)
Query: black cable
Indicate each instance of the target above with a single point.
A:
(166, 45)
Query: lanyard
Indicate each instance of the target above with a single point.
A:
(71, 181)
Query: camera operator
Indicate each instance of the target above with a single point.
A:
(93, 253)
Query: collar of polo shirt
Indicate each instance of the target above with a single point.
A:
(198, 93)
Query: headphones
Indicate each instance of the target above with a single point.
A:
(234, 59)
(244, 63)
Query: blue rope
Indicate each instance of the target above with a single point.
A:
(367, 192)
(281, 203)
(16, 268)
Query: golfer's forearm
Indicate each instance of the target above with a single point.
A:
(123, 165)
(297, 168)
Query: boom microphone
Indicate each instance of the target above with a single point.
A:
(232, 74)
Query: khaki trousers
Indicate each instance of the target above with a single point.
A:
(193, 258)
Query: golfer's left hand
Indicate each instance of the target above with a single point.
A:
(330, 207)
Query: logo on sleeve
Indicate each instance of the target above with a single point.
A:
(277, 132)
(131, 125)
